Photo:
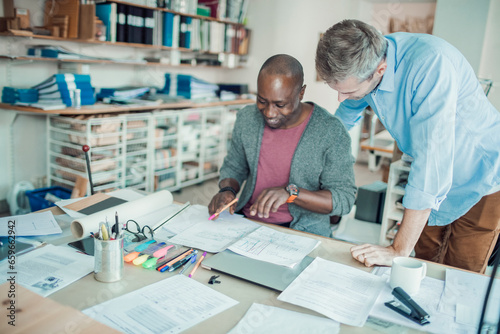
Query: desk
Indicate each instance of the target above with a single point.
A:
(379, 146)
(87, 292)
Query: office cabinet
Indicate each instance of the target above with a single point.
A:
(162, 149)
(393, 208)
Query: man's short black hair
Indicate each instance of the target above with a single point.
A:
(283, 64)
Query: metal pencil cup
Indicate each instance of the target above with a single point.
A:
(108, 260)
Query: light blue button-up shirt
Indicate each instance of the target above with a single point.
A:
(432, 104)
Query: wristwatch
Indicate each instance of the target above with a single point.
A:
(293, 190)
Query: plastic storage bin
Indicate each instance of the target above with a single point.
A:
(37, 197)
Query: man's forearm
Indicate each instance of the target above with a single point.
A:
(409, 232)
(316, 201)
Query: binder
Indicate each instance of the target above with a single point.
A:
(184, 32)
(135, 24)
(107, 13)
(139, 27)
(168, 29)
(121, 23)
(176, 31)
(149, 25)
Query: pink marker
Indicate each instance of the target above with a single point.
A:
(224, 208)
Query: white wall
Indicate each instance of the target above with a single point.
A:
(463, 24)
(378, 13)
(293, 27)
(489, 68)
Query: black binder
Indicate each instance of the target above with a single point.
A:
(149, 24)
(183, 33)
(121, 23)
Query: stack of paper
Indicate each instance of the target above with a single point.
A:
(169, 306)
(269, 319)
(213, 235)
(340, 292)
(47, 269)
(31, 224)
(454, 305)
(269, 245)
(194, 88)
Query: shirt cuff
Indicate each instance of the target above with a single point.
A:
(416, 199)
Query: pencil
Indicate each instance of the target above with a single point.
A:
(197, 264)
(224, 208)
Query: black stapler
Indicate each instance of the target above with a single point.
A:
(408, 307)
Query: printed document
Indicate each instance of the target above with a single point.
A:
(31, 224)
(269, 245)
(428, 297)
(342, 293)
(168, 306)
(214, 236)
(47, 269)
(190, 217)
(464, 295)
(269, 319)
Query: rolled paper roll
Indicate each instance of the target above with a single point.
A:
(82, 227)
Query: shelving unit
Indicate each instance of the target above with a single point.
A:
(103, 62)
(144, 148)
(393, 214)
(225, 43)
(150, 151)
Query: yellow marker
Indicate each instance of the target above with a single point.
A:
(104, 232)
(141, 259)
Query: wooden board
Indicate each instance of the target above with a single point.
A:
(32, 313)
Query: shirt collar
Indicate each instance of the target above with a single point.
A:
(387, 82)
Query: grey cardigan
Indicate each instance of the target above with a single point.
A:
(322, 160)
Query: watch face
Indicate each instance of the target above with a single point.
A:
(292, 189)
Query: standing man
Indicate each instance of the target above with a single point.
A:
(427, 96)
(294, 156)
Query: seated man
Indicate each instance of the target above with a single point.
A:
(294, 156)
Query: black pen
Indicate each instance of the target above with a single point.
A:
(182, 262)
(170, 258)
(115, 226)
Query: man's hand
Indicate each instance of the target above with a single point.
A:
(219, 201)
(409, 231)
(269, 200)
(374, 255)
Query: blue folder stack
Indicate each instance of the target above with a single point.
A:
(127, 92)
(194, 88)
(13, 95)
(57, 89)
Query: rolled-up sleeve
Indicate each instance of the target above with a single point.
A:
(432, 133)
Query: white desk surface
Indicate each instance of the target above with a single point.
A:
(88, 292)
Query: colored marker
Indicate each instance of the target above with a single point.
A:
(197, 264)
(224, 208)
(182, 262)
(178, 258)
(187, 265)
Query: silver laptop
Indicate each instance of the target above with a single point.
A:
(264, 273)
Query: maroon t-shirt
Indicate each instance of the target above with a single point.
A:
(275, 158)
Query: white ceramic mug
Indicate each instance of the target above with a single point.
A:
(407, 273)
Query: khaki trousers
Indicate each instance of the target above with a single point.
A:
(466, 243)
